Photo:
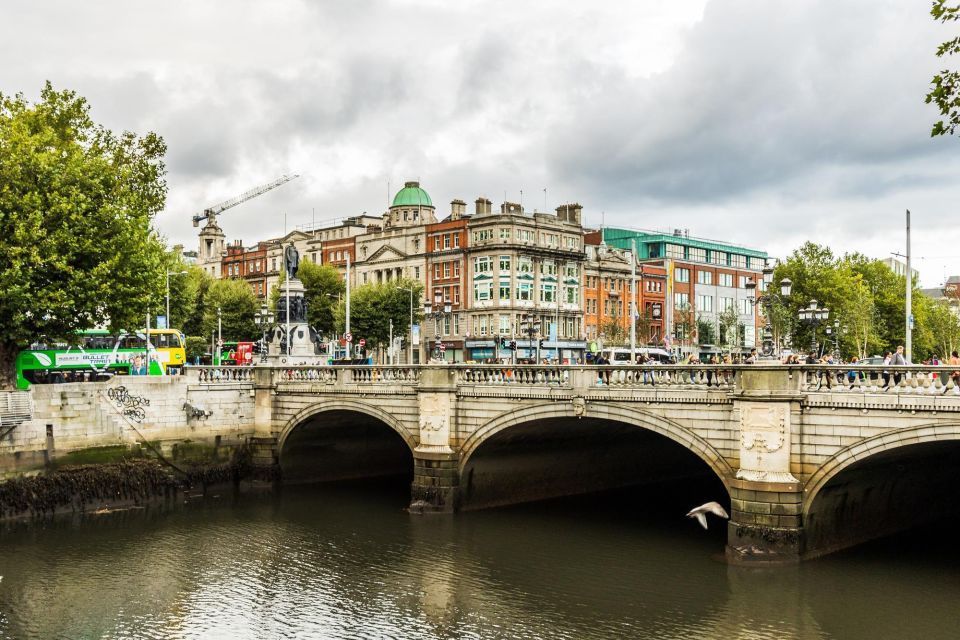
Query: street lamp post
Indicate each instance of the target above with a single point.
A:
(171, 273)
(410, 341)
(532, 327)
(835, 331)
(813, 315)
(767, 300)
(219, 336)
(263, 318)
(441, 312)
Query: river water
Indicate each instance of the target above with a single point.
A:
(349, 562)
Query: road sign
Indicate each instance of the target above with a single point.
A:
(443, 347)
(348, 337)
(362, 342)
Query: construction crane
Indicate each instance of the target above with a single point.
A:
(243, 197)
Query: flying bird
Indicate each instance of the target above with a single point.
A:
(700, 513)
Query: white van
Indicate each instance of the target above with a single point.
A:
(621, 355)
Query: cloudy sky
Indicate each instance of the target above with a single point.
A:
(761, 122)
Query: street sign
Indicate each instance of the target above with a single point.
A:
(443, 347)
(348, 337)
(362, 342)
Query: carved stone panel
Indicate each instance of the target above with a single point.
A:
(765, 442)
(435, 412)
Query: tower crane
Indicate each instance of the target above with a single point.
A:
(243, 197)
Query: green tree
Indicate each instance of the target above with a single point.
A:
(945, 90)
(945, 327)
(730, 328)
(373, 306)
(237, 304)
(613, 333)
(77, 248)
(706, 332)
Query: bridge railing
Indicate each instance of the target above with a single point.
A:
(909, 379)
(363, 374)
(218, 375)
(616, 376)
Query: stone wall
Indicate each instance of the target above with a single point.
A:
(70, 418)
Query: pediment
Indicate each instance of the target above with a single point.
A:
(384, 253)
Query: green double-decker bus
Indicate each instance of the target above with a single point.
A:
(98, 355)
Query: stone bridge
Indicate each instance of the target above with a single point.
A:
(808, 459)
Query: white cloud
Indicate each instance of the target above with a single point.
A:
(761, 122)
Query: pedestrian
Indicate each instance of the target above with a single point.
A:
(752, 358)
(898, 360)
(886, 374)
(954, 375)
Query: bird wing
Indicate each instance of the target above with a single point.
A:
(716, 509)
(702, 519)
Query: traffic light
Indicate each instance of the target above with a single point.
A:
(503, 343)
(513, 345)
(541, 343)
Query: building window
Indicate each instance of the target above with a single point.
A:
(737, 260)
(704, 277)
(675, 251)
(482, 264)
(548, 292)
(525, 291)
(725, 279)
(697, 255)
(416, 273)
(705, 303)
(456, 240)
(504, 264)
(524, 265)
(744, 305)
(456, 268)
(726, 304)
(446, 241)
(681, 275)
(570, 270)
(548, 268)
(446, 269)
(742, 280)
(482, 291)
(436, 243)
(573, 295)
(504, 325)
(456, 324)
(718, 257)
(504, 289)
(456, 295)
(504, 233)
(681, 301)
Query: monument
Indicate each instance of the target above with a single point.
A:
(292, 340)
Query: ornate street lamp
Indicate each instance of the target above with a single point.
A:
(767, 300)
(443, 309)
(263, 319)
(813, 315)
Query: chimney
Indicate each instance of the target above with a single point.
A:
(570, 212)
(511, 208)
(458, 209)
(483, 206)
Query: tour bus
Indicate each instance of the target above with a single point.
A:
(97, 354)
(621, 355)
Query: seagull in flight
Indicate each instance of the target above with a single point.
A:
(700, 513)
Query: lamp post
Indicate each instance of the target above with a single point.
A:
(767, 300)
(410, 341)
(441, 312)
(835, 331)
(216, 351)
(813, 315)
(171, 273)
(532, 327)
(263, 318)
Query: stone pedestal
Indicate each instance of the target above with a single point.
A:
(766, 499)
(436, 472)
(302, 347)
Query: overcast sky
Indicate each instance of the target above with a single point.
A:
(760, 122)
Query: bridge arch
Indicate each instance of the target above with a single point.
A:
(865, 449)
(373, 411)
(613, 412)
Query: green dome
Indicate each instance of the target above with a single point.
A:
(412, 195)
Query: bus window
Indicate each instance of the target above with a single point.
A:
(132, 342)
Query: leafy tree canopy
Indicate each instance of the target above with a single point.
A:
(77, 248)
(945, 90)
(323, 290)
(237, 305)
(372, 306)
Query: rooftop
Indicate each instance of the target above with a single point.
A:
(412, 195)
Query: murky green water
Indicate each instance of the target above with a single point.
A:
(349, 562)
